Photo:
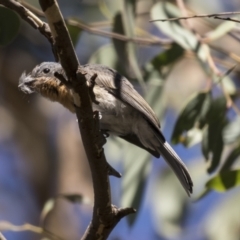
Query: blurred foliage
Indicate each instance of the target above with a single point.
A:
(184, 76)
(224, 181)
(74, 33)
(167, 57)
(9, 25)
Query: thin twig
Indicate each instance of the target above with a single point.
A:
(93, 28)
(33, 9)
(228, 19)
(7, 226)
(137, 40)
(214, 15)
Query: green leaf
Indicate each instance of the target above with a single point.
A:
(128, 17)
(167, 57)
(206, 107)
(217, 110)
(224, 181)
(196, 110)
(9, 25)
(74, 32)
(185, 38)
(212, 143)
(120, 46)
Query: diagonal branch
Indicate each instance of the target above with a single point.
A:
(105, 215)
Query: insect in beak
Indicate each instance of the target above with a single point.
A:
(26, 83)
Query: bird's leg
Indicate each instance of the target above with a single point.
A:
(101, 140)
(91, 85)
(105, 133)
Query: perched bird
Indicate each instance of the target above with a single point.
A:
(123, 111)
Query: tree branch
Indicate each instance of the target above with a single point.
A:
(105, 215)
(214, 15)
(154, 41)
(121, 37)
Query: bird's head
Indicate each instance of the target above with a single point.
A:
(42, 79)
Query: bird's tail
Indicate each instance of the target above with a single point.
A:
(177, 165)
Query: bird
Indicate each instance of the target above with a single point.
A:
(123, 111)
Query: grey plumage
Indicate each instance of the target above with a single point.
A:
(124, 112)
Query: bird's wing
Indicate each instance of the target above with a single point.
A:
(132, 138)
(122, 89)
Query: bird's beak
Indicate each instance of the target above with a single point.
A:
(26, 83)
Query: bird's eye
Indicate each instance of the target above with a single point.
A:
(46, 70)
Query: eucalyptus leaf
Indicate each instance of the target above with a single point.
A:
(120, 46)
(212, 143)
(128, 17)
(9, 25)
(168, 56)
(195, 111)
(217, 110)
(214, 149)
(185, 38)
(221, 30)
(224, 181)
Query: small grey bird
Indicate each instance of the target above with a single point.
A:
(123, 111)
